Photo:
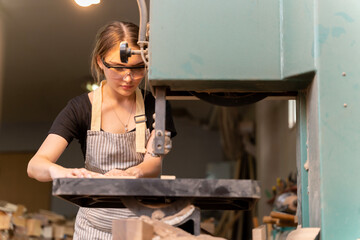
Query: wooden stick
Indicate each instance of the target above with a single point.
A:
(168, 177)
(269, 229)
(282, 216)
(268, 219)
(255, 222)
(285, 223)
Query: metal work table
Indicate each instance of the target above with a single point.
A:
(222, 194)
(145, 196)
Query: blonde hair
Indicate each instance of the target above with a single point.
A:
(107, 38)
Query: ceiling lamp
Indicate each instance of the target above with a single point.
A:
(86, 3)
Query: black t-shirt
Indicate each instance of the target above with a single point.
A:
(75, 119)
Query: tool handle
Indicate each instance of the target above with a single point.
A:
(282, 216)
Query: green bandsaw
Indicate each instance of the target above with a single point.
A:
(307, 48)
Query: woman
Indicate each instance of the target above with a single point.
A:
(103, 122)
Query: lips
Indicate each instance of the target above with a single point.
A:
(127, 87)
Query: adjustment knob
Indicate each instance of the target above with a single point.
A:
(125, 52)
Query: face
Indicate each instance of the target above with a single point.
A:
(123, 80)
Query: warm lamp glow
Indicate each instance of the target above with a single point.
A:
(86, 3)
(91, 86)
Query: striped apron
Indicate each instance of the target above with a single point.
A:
(104, 152)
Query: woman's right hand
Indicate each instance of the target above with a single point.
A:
(61, 172)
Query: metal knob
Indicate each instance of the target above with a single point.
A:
(125, 52)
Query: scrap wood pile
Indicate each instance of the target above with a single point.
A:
(159, 227)
(146, 228)
(17, 224)
(281, 219)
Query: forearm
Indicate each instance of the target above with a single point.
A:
(149, 168)
(42, 166)
(44, 170)
(43, 161)
(39, 168)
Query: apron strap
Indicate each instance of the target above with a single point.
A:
(140, 118)
(140, 121)
(96, 108)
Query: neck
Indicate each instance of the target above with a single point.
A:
(113, 95)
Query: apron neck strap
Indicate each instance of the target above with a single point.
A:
(140, 118)
(96, 108)
(140, 121)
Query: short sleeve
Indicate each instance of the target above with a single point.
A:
(73, 121)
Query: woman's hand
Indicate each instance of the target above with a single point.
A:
(61, 172)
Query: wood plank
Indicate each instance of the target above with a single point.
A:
(304, 234)
(33, 227)
(4, 221)
(132, 229)
(259, 233)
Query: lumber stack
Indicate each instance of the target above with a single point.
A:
(279, 220)
(17, 224)
(146, 228)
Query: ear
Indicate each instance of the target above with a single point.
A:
(99, 62)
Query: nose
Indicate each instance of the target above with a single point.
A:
(128, 76)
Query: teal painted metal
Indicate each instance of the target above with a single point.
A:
(337, 207)
(297, 37)
(214, 45)
(302, 149)
(237, 45)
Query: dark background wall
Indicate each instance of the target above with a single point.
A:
(47, 49)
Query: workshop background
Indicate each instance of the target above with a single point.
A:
(45, 51)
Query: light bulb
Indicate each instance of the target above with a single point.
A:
(86, 3)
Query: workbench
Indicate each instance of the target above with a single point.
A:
(144, 196)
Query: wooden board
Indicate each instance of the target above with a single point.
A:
(259, 233)
(132, 229)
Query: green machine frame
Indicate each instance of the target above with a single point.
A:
(212, 45)
(311, 47)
